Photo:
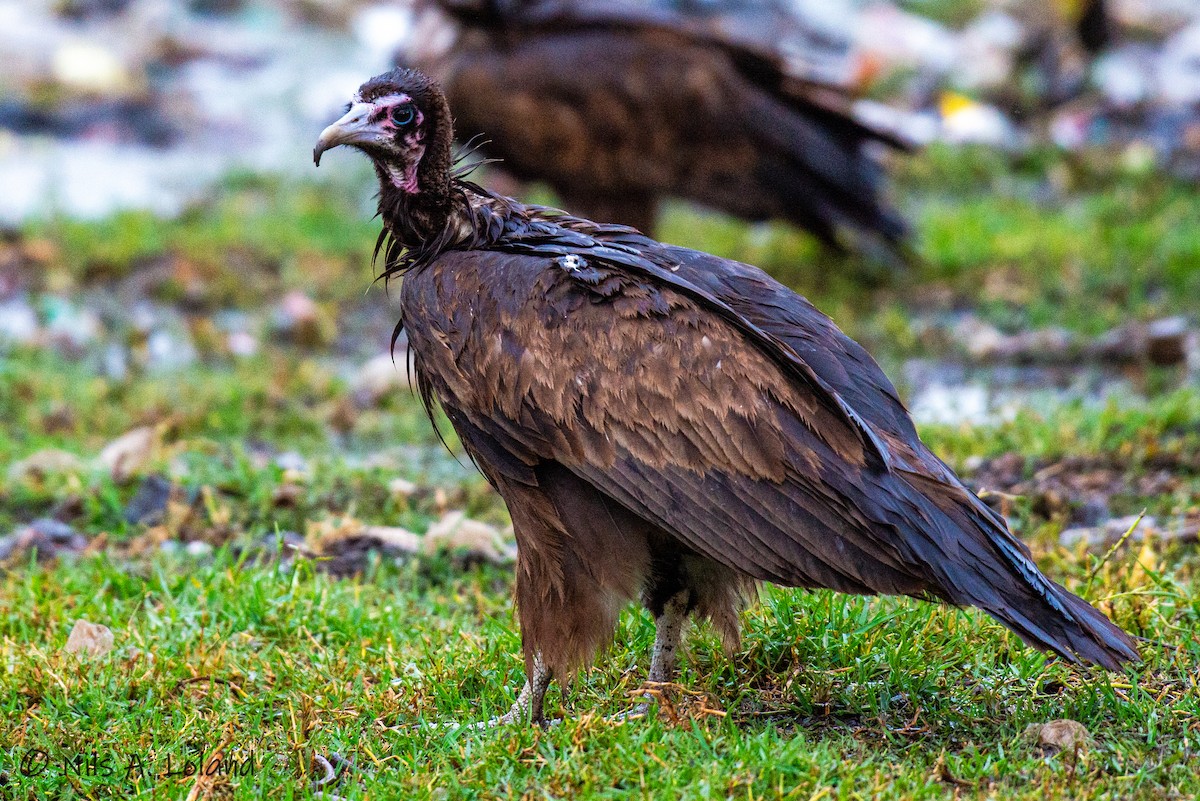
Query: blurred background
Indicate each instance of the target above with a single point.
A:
(172, 263)
(202, 430)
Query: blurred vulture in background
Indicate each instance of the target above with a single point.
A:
(736, 105)
(1093, 25)
(1062, 39)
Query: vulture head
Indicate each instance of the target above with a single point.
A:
(401, 121)
(397, 119)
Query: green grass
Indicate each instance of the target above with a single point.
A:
(847, 697)
(830, 697)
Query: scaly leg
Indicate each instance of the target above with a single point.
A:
(668, 633)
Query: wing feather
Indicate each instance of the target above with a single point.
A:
(719, 469)
(647, 382)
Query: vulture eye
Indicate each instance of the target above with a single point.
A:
(403, 114)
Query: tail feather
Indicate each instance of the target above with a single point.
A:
(1042, 613)
(818, 166)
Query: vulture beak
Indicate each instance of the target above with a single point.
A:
(354, 128)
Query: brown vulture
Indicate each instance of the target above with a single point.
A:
(616, 105)
(667, 425)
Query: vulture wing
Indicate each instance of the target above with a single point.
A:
(702, 412)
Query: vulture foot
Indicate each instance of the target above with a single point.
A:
(529, 702)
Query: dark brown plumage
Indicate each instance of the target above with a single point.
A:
(618, 105)
(1095, 27)
(669, 425)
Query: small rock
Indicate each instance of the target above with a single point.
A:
(59, 419)
(395, 539)
(402, 489)
(1040, 346)
(1126, 343)
(198, 548)
(1058, 735)
(47, 462)
(457, 534)
(54, 531)
(48, 537)
(1167, 341)
(1093, 511)
(344, 546)
(1044, 345)
(1105, 536)
(129, 453)
(380, 377)
(351, 555)
(287, 495)
(89, 639)
(149, 503)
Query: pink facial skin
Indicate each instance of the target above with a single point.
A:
(412, 145)
(414, 150)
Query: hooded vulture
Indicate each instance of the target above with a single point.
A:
(666, 425)
(734, 105)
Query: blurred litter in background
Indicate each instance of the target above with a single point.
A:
(145, 103)
(108, 104)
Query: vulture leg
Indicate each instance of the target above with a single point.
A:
(537, 686)
(668, 633)
(667, 636)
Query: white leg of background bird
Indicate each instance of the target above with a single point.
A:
(668, 634)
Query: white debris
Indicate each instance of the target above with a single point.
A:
(89, 639)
